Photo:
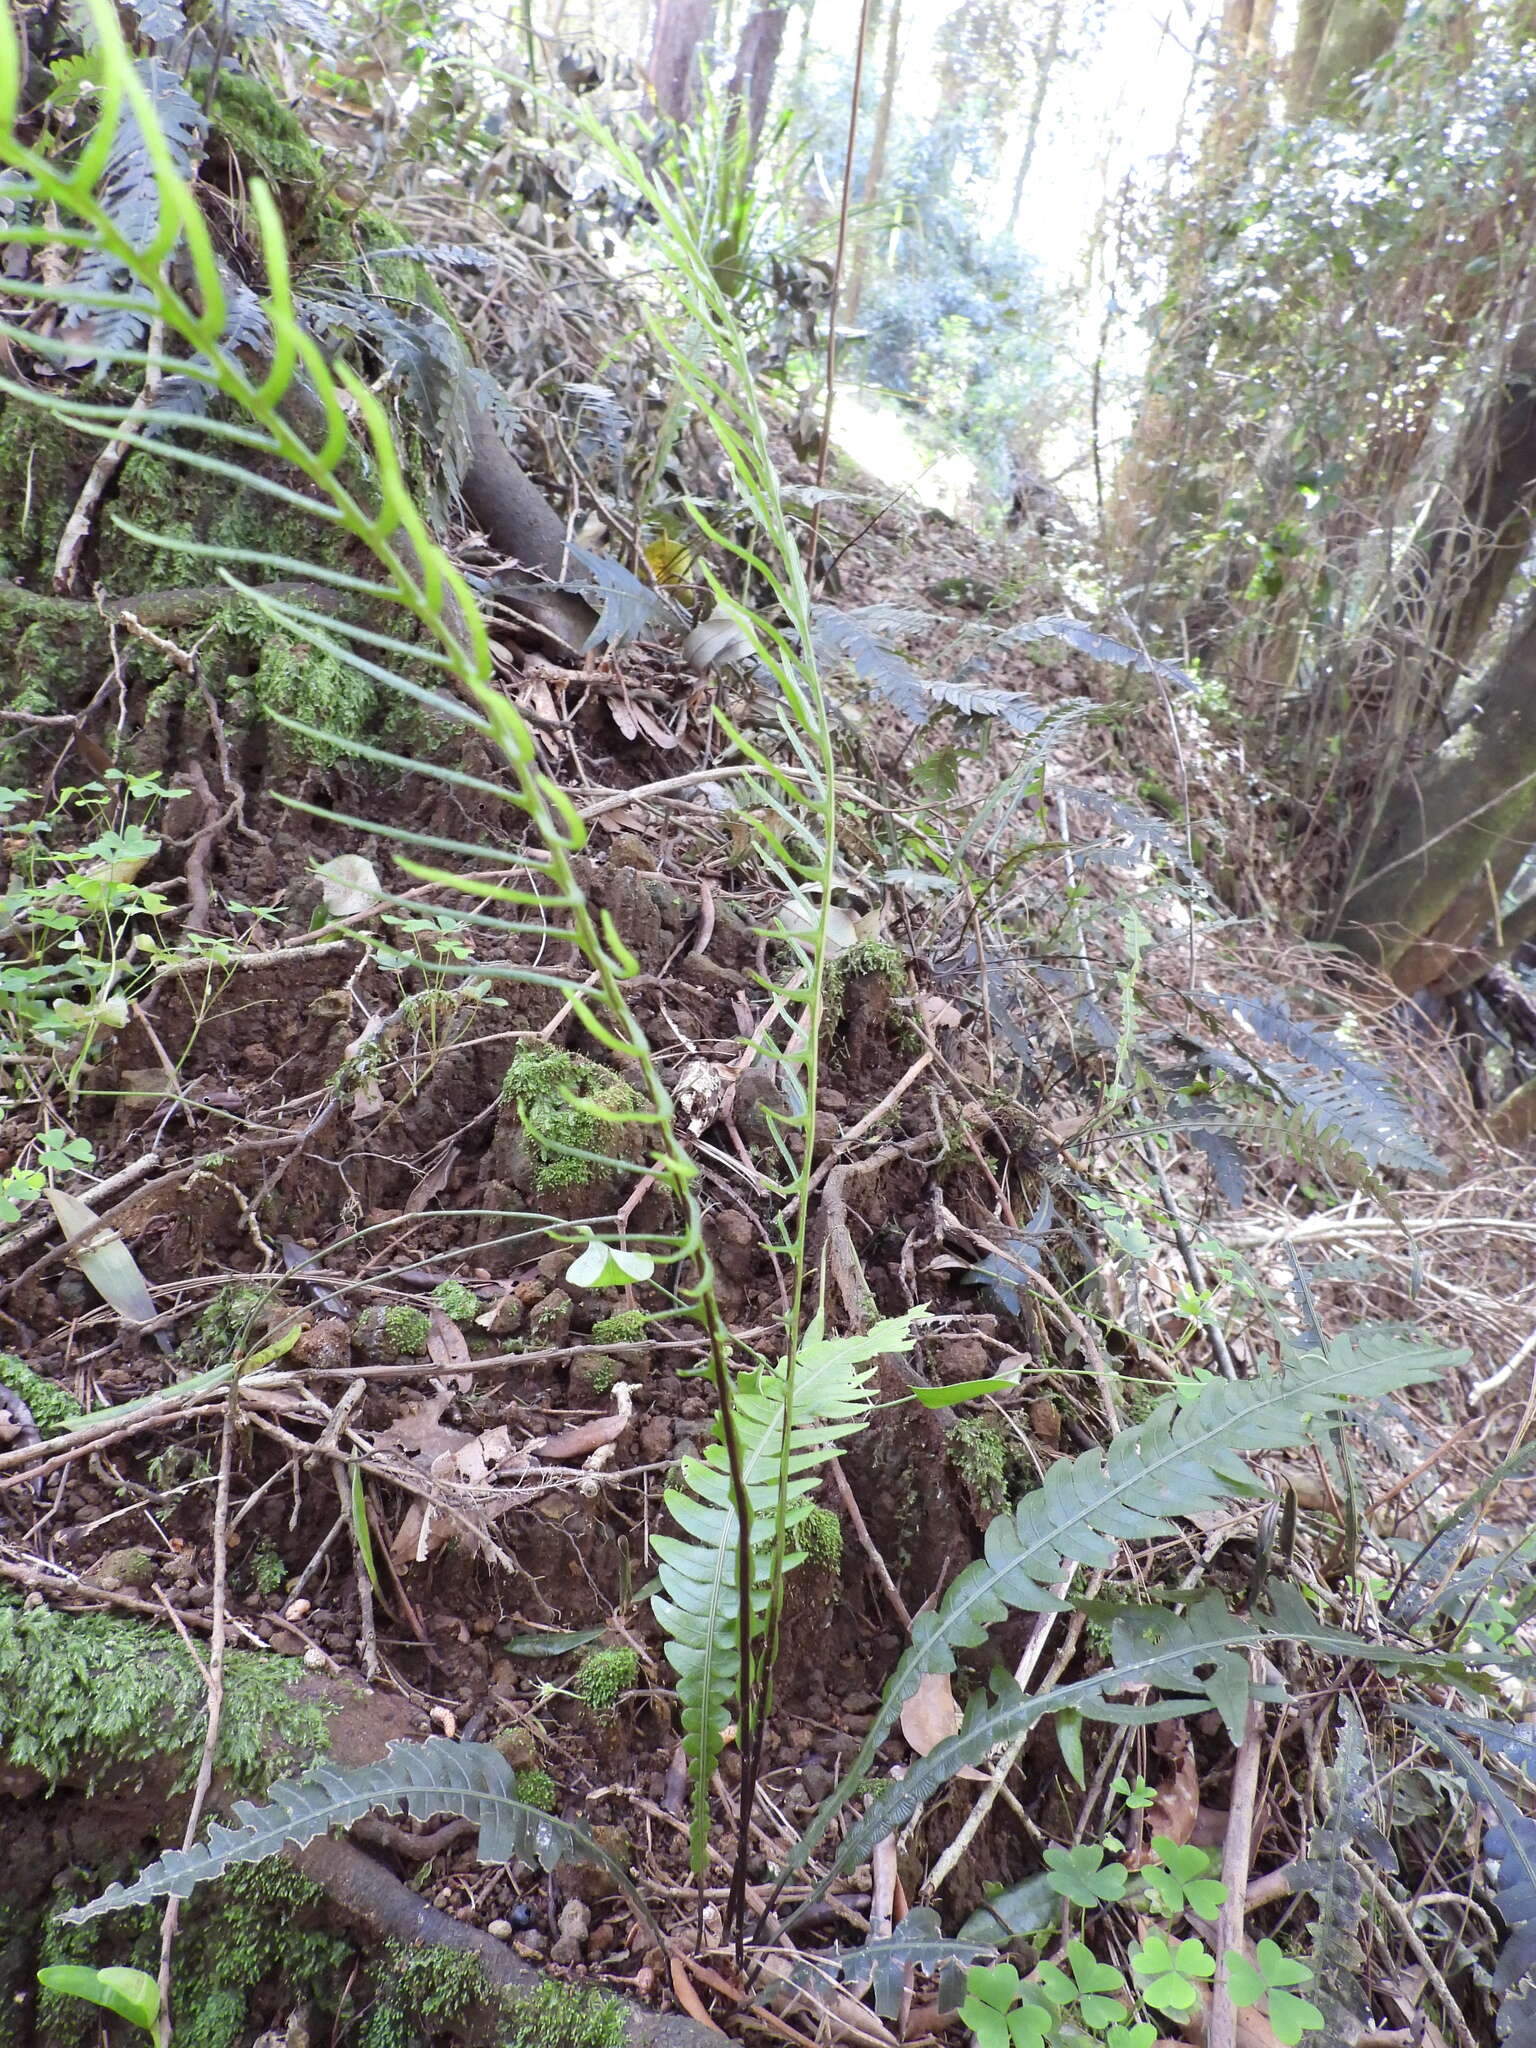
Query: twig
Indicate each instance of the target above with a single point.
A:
(1236, 1855)
(867, 1545)
(67, 560)
(216, 1644)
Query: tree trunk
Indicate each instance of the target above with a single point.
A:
(674, 65)
(1337, 41)
(1045, 62)
(1452, 839)
(757, 57)
(875, 170)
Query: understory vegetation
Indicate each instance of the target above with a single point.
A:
(752, 1275)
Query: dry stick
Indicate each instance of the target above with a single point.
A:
(867, 1544)
(215, 1681)
(867, 1123)
(106, 466)
(1002, 1770)
(1402, 1919)
(1236, 1855)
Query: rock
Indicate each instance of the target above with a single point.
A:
(593, 1881)
(733, 1239)
(516, 1744)
(656, 1440)
(500, 1930)
(553, 1265)
(571, 1940)
(326, 1344)
(130, 1567)
(549, 1326)
(817, 1780)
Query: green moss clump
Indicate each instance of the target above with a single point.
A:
(979, 1452)
(536, 1788)
(567, 2016)
(626, 1327)
(407, 1329)
(53, 1407)
(598, 1370)
(460, 1304)
(86, 1694)
(260, 1926)
(296, 681)
(868, 956)
(422, 1990)
(228, 1327)
(268, 1572)
(820, 1536)
(567, 1106)
(262, 133)
(602, 1676)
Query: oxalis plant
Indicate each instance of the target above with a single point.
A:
(326, 441)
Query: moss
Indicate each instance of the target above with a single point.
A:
(978, 1451)
(53, 1407)
(567, 2016)
(870, 956)
(295, 681)
(260, 1926)
(536, 1788)
(422, 1990)
(626, 1327)
(550, 1089)
(407, 1329)
(86, 1694)
(42, 467)
(597, 1370)
(820, 1536)
(603, 1676)
(262, 134)
(268, 1572)
(460, 1304)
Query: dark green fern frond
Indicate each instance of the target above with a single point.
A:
(468, 1780)
(1187, 1457)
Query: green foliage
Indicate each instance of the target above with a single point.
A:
(407, 1330)
(568, 1107)
(627, 1326)
(603, 1677)
(979, 1452)
(536, 1788)
(567, 2016)
(422, 1990)
(1184, 1458)
(1083, 1877)
(820, 1536)
(1170, 1973)
(460, 1304)
(52, 1407)
(83, 1696)
(132, 1994)
(786, 1432)
(1180, 1880)
(1270, 1979)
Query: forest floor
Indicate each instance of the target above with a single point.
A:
(307, 1143)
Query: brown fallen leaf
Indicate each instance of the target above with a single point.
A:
(689, 1999)
(931, 1716)
(1177, 1804)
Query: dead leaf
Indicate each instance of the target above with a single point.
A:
(447, 1346)
(431, 1185)
(1177, 1804)
(103, 1258)
(931, 1715)
(583, 1439)
(689, 1999)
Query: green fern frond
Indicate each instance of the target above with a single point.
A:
(1185, 1458)
(468, 1780)
(787, 1430)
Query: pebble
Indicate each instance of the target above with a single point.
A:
(575, 1926)
(500, 1930)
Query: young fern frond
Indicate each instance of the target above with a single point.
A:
(700, 1604)
(467, 1780)
(1186, 1457)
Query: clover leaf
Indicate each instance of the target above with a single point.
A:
(994, 2014)
(1266, 1979)
(607, 1265)
(1082, 1876)
(1137, 1796)
(1178, 1880)
(1171, 1973)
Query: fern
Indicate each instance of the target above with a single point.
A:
(1512, 1850)
(1197, 1660)
(1185, 1458)
(704, 1608)
(1335, 1885)
(468, 1780)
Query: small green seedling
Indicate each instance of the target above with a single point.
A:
(132, 1994)
(1082, 1876)
(1179, 1881)
(1269, 1977)
(1091, 1987)
(1171, 1973)
(994, 2012)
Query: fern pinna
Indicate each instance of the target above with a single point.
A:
(788, 1428)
